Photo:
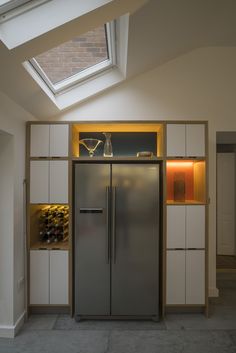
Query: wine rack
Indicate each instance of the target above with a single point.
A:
(49, 226)
(53, 224)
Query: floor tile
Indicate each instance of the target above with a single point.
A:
(223, 321)
(179, 333)
(170, 341)
(65, 322)
(57, 342)
(144, 342)
(40, 322)
(203, 348)
(233, 336)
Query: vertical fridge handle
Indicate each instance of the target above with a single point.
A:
(114, 224)
(108, 224)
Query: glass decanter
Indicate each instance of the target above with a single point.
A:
(107, 151)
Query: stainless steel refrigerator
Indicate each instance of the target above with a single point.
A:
(116, 239)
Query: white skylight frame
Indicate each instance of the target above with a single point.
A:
(85, 74)
(98, 83)
(15, 8)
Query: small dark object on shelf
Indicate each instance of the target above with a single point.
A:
(179, 187)
(145, 154)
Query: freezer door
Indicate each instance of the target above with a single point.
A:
(135, 239)
(92, 268)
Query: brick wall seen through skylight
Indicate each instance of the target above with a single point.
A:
(74, 56)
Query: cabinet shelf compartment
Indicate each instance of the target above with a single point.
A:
(147, 136)
(186, 182)
(57, 226)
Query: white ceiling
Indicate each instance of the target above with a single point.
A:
(159, 31)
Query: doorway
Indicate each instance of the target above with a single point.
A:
(226, 196)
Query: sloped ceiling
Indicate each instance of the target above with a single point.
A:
(165, 29)
(159, 31)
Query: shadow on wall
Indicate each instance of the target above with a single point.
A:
(6, 226)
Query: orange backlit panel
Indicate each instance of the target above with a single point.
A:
(184, 171)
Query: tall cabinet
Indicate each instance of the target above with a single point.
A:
(48, 241)
(186, 215)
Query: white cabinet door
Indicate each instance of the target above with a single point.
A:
(39, 277)
(195, 226)
(195, 276)
(58, 190)
(39, 179)
(49, 181)
(59, 283)
(195, 140)
(175, 281)
(175, 140)
(185, 140)
(39, 140)
(59, 140)
(175, 227)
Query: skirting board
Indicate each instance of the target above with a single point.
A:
(8, 331)
(213, 292)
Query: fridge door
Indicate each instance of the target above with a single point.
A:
(135, 239)
(92, 268)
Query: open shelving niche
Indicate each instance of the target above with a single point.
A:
(37, 226)
(191, 175)
(95, 130)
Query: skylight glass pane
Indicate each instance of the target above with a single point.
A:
(2, 2)
(13, 3)
(72, 57)
(8, 7)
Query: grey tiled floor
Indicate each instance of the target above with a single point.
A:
(178, 333)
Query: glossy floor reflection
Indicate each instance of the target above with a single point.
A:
(177, 333)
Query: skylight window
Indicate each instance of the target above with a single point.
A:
(78, 59)
(94, 76)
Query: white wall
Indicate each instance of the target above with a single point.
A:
(12, 174)
(200, 85)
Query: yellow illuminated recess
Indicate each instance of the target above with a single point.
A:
(117, 127)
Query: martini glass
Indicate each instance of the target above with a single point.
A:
(90, 145)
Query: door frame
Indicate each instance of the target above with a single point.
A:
(217, 197)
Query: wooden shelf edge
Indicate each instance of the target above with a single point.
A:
(191, 202)
(52, 246)
(173, 158)
(112, 159)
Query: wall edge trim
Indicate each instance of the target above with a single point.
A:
(10, 331)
